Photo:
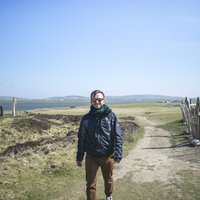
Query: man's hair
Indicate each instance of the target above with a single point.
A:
(95, 92)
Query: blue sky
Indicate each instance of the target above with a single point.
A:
(124, 47)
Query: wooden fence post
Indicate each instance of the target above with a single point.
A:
(198, 117)
(188, 115)
(191, 116)
(14, 106)
(1, 110)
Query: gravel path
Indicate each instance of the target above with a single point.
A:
(153, 158)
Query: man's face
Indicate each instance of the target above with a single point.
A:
(98, 100)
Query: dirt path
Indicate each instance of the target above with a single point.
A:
(153, 158)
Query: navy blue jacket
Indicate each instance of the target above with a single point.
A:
(99, 136)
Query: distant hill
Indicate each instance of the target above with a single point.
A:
(11, 98)
(109, 99)
(24, 104)
(67, 97)
(143, 98)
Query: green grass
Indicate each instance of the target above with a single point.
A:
(34, 175)
(40, 176)
(139, 191)
(158, 190)
(178, 132)
(165, 114)
(190, 184)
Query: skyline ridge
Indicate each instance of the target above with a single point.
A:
(146, 96)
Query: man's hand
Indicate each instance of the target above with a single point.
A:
(79, 163)
(116, 161)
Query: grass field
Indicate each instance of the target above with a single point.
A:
(49, 171)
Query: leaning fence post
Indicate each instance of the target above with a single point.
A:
(183, 113)
(188, 114)
(14, 106)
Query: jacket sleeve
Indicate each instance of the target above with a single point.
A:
(81, 141)
(118, 142)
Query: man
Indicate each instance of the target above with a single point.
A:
(99, 136)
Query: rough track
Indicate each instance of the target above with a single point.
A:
(154, 158)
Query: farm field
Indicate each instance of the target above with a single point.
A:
(37, 155)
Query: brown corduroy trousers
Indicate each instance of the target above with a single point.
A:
(92, 165)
